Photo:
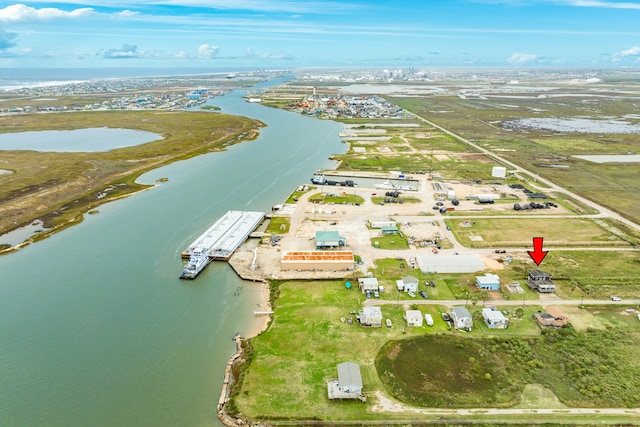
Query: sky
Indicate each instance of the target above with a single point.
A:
(319, 33)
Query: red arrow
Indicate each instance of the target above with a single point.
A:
(537, 254)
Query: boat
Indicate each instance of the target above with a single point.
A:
(387, 185)
(319, 179)
(198, 260)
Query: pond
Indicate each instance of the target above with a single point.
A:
(78, 140)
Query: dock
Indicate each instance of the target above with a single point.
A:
(226, 234)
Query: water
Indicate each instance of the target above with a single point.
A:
(77, 140)
(95, 326)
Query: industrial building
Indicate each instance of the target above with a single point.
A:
(329, 240)
(317, 260)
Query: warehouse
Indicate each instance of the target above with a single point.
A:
(317, 260)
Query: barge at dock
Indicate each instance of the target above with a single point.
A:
(219, 241)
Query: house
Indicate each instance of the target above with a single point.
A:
(368, 284)
(461, 318)
(413, 318)
(494, 319)
(407, 284)
(489, 282)
(371, 317)
(553, 317)
(540, 281)
(329, 240)
(348, 385)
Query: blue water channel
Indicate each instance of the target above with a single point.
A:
(96, 329)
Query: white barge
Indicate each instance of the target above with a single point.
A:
(220, 240)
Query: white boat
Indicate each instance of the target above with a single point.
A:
(197, 262)
(319, 179)
(387, 185)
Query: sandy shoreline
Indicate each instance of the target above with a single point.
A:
(260, 322)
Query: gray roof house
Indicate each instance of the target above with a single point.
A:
(407, 284)
(494, 319)
(370, 316)
(413, 318)
(349, 383)
(461, 318)
(540, 281)
(368, 284)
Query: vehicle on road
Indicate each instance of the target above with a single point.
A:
(616, 299)
(500, 251)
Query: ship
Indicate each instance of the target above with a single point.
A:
(198, 260)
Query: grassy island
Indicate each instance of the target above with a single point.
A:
(59, 187)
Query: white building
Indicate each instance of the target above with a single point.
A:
(413, 318)
(368, 284)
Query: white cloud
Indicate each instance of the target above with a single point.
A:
(126, 51)
(20, 12)
(522, 58)
(126, 14)
(603, 4)
(633, 51)
(206, 51)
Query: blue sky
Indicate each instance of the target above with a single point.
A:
(316, 33)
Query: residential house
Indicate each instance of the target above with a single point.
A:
(407, 284)
(368, 284)
(461, 318)
(553, 317)
(413, 318)
(494, 319)
(348, 385)
(329, 240)
(489, 282)
(540, 281)
(371, 317)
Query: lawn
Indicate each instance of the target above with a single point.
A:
(518, 232)
(389, 241)
(279, 225)
(340, 197)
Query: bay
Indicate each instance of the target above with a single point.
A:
(95, 326)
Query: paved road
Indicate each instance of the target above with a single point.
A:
(542, 301)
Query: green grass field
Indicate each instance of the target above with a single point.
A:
(518, 232)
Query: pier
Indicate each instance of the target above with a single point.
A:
(226, 234)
